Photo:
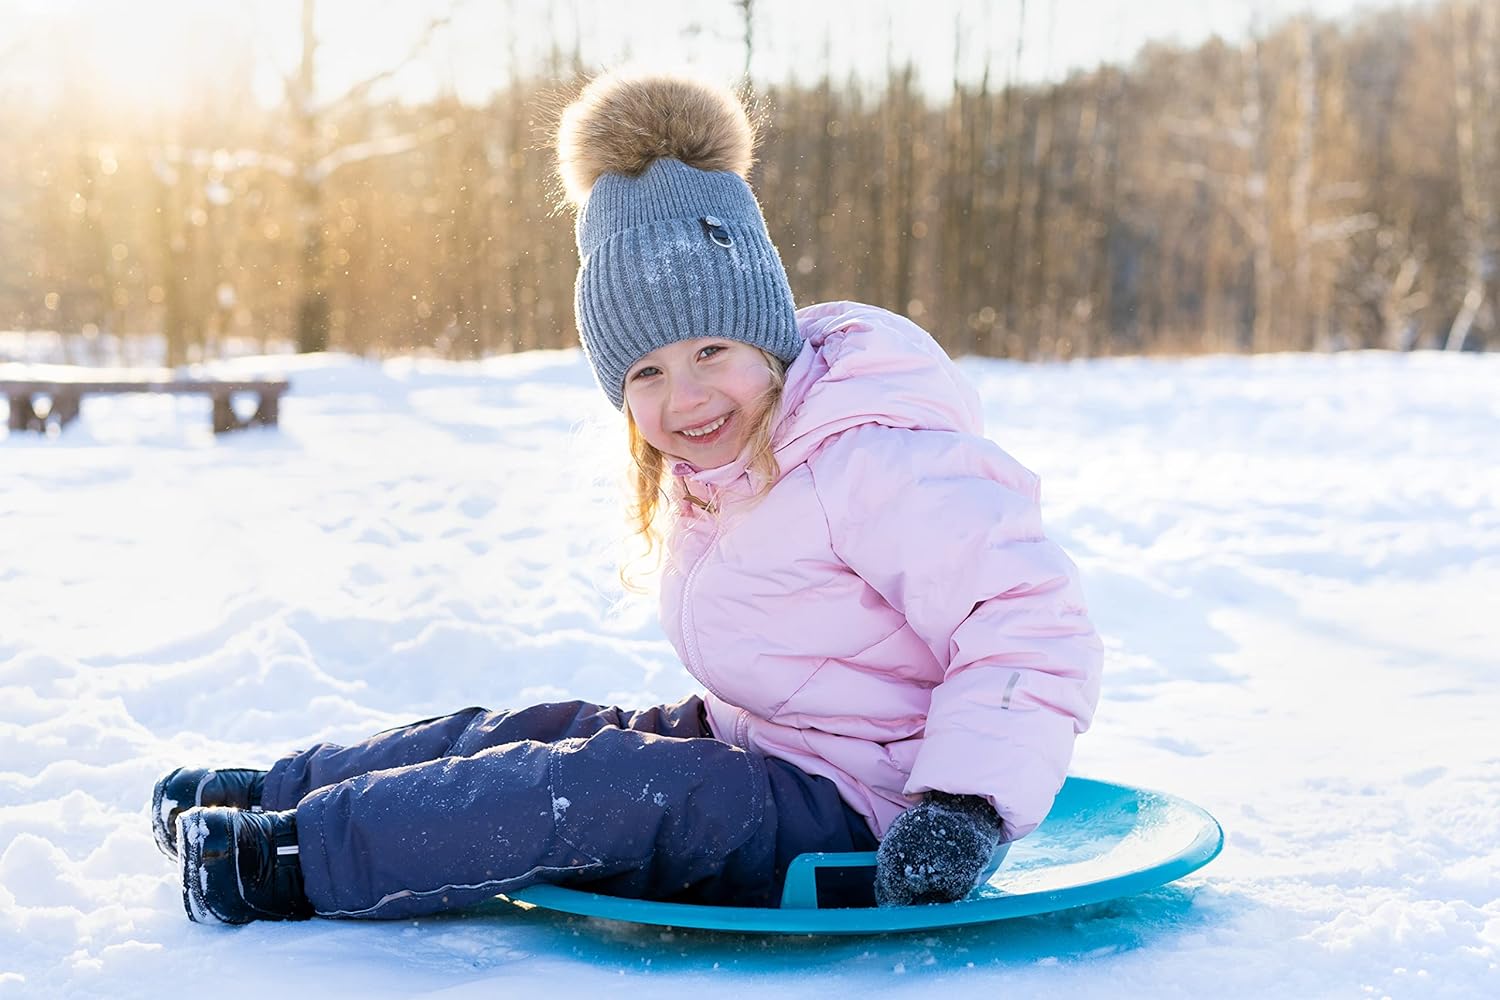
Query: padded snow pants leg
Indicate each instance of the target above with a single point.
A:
(464, 733)
(450, 811)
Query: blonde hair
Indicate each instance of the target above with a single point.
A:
(650, 517)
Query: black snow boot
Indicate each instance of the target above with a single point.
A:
(238, 788)
(240, 866)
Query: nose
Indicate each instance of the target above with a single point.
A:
(687, 393)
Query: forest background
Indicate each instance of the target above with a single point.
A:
(1318, 184)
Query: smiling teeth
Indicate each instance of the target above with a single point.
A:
(709, 429)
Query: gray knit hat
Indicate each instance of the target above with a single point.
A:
(671, 241)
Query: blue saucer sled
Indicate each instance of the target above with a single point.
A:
(1100, 842)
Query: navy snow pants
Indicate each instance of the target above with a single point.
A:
(449, 811)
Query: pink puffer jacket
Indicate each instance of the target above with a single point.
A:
(890, 615)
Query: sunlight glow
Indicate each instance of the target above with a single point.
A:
(149, 55)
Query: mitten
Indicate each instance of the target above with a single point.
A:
(936, 850)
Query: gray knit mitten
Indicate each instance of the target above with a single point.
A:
(936, 850)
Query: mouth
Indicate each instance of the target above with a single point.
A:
(709, 432)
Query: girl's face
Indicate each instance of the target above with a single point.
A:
(697, 400)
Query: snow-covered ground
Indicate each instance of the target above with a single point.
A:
(1295, 561)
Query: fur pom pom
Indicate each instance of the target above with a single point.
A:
(622, 124)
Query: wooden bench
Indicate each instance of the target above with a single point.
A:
(67, 395)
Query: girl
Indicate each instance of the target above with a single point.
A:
(893, 652)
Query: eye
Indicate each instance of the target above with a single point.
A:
(646, 371)
(712, 349)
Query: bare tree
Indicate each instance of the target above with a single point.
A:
(747, 18)
(1042, 332)
(1476, 161)
(315, 159)
(1012, 119)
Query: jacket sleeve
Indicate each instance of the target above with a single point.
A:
(946, 528)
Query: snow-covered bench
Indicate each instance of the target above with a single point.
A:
(66, 395)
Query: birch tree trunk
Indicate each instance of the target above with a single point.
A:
(1306, 114)
(312, 275)
(1469, 120)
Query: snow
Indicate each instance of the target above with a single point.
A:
(1294, 560)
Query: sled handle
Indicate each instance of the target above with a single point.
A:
(800, 891)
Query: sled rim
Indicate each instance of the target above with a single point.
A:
(1203, 843)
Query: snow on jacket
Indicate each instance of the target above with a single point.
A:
(890, 614)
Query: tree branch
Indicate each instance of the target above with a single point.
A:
(357, 152)
(357, 93)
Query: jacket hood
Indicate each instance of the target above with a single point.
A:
(865, 365)
(859, 364)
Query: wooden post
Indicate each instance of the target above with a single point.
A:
(22, 413)
(224, 416)
(268, 411)
(65, 406)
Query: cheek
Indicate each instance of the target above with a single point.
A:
(657, 438)
(751, 382)
(647, 422)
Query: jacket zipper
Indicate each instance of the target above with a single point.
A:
(707, 505)
(690, 634)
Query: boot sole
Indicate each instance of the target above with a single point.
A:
(209, 866)
(163, 823)
(195, 838)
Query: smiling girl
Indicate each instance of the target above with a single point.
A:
(892, 651)
(696, 398)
